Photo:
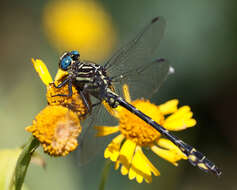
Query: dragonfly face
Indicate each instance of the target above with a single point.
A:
(67, 60)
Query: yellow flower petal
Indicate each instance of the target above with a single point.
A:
(171, 152)
(139, 170)
(117, 164)
(42, 71)
(141, 167)
(180, 112)
(106, 130)
(112, 150)
(126, 155)
(124, 170)
(149, 164)
(126, 93)
(165, 154)
(139, 178)
(180, 120)
(132, 174)
(167, 144)
(169, 107)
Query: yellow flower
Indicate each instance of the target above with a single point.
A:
(79, 25)
(126, 148)
(58, 125)
(57, 129)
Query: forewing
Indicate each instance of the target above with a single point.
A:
(139, 51)
(145, 80)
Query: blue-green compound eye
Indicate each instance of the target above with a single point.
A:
(65, 63)
(75, 53)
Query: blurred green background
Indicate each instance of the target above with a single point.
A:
(200, 42)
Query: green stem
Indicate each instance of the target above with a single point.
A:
(23, 162)
(105, 174)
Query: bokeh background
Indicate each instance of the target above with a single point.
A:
(200, 42)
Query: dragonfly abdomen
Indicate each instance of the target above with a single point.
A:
(195, 157)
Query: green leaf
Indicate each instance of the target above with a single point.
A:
(23, 162)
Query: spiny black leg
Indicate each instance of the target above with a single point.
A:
(70, 88)
(85, 101)
(67, 81)
(62, 83)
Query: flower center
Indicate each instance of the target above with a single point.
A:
(134, 128)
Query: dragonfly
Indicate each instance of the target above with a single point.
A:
(133, 64)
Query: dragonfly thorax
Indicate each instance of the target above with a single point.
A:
(91, 78)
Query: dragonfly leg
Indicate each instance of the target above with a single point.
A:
(96, 104)
(83, 97)
(66, 81)
(62, 83)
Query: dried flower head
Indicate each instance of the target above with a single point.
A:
(57, 128)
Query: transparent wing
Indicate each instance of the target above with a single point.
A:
(145, 80)
(89, 143)
(133, 63)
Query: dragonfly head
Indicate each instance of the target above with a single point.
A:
(67, 59)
